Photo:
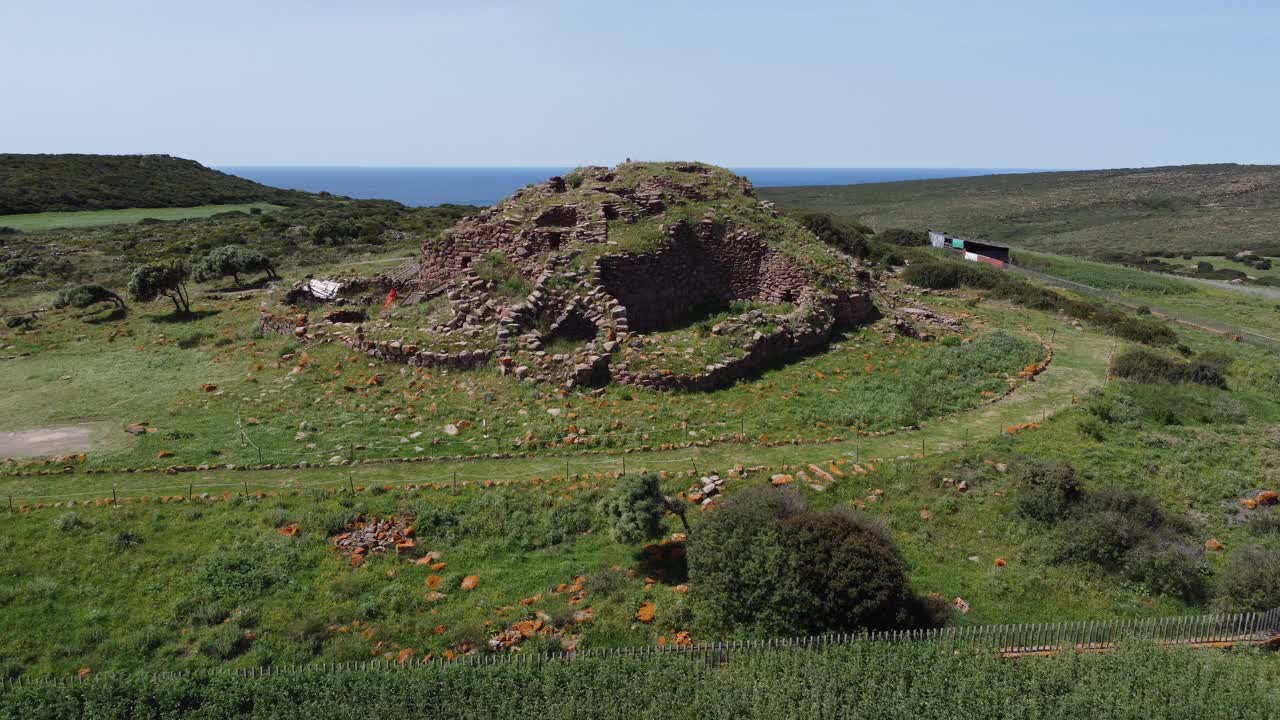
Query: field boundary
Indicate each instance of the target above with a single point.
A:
(1009, 641)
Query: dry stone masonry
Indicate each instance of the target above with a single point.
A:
(613, 258)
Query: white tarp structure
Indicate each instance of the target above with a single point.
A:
(322, 289)
(937, 239)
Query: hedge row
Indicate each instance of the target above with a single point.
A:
(920, 682)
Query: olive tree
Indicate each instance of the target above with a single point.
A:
(233, 260)
(155, 280)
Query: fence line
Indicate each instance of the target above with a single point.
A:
(1029, 639)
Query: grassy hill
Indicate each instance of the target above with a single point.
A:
(1192, 209)
(50, 183)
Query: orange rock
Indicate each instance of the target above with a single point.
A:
(646, 611)
(208, 387)
(289, 530)
(1212, 545)
(164, 454)
(435, 596)
(1266, 497)
(403, 656)
(680, 589)
(781, 479)
(357, 560)
(83, 673)
(437, 567)
(440, 629)
(999, 562)
(433, 581)
(469, 582)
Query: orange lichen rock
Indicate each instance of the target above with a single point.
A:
(646, 611)
(999, 562)
(289, 530)
(1213, 545)
(433, 581)
(469, 582)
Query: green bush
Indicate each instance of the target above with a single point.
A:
(1102, 538)
(635, 510)
(905, 238)
(1046, 491)
(763, 564)
(1168, 568)
(1250, 581)
(82, 296)
(1141, 365)
(843, 234)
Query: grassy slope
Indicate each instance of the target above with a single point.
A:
(34, 222)
(1198, 209)
(504, 533)
(49, 183)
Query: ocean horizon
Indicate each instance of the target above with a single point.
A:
(424, 186)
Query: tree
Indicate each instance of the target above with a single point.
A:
(82, 296)
(635, 509)
(233, 260)
(155, 280)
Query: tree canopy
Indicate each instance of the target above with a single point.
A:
(169, 280)
(233, 260)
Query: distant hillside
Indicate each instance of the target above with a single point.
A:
(1192, 209)
(45, 183)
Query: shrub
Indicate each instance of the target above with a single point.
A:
(1168, 568)
(1102, 538)
(1264, 524)
(762, 562)
(1141, 365)
(635, 510)
(905, 238)
(1250, 581)
(69, 522)
(1047, 491)
(82, 296)
(844, 235)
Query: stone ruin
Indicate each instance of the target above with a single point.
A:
(613, 258)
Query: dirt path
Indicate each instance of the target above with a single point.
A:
(1079, 364)
(55, 440)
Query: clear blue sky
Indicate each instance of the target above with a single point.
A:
(947, 83)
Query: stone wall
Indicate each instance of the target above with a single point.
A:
(703, 268)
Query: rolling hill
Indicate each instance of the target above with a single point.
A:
(49, 183)
(1191, 209)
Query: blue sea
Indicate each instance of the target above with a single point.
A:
(418, 186)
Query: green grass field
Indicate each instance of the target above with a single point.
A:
(36, 222)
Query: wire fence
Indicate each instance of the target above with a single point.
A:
(1022, 640)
